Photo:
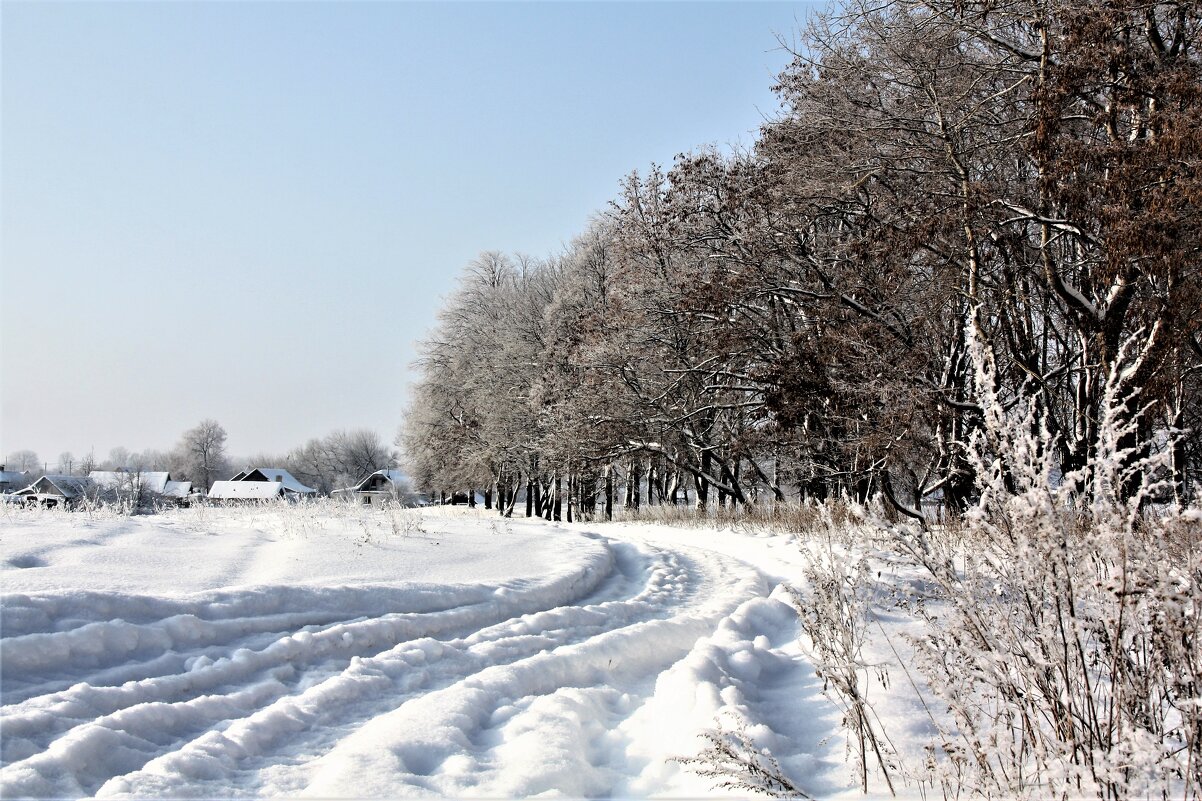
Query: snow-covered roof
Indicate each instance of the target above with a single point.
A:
(392, 476)
(277, 474)
(151, 480)
(68, 486)
(251, 490)
(177, 489)
(12, 476)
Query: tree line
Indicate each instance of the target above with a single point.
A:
(797, 318)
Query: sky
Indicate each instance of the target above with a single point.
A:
(251, 212)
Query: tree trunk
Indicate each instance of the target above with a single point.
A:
(1180, 489)
(609, 492)
(702, 483)
(629, 500)
(736, 476)
(511, 500)
(777, 495)
(571, 496)
(863, 489)
(557, 510)
(588, 496)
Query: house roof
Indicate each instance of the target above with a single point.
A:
(392, 476)
(177, 489)
(12, 476)
(68, 486)
(153, 481)
(252, 490)
(269, 474)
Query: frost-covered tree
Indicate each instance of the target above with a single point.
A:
(459, 433)
(202, 453)
(792, 319)
(23, 461)
(336, 460)
(118, 459)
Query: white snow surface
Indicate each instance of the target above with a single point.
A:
(324, 651)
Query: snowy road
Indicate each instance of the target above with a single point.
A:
(371, 656)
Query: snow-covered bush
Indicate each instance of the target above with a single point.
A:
(834, 615)
(1066, 644)
(734, 762)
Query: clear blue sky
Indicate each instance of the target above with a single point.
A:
(251, 211)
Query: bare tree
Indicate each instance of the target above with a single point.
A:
(24, 461)
(151, 460)
(362, 452)
(119, 459)
(336, 460)
(203, 452)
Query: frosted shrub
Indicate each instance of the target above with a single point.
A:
(407, 521)
(833, 615)
(1066, 647)
(733, 760)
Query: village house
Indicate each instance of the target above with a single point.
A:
(57, 490)
(140, 484)
(382, 486)
(258, 484)
(12, 480)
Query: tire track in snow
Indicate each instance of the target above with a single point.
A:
(433, 743)
(446, 692)
(418, 700)
(342, 704)
(315, 719)
(55, 741)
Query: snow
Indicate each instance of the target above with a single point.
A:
(278, 474)
(177, 489)
(393, 476)
(321, 650)
(252, 490)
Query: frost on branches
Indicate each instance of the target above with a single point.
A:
(1067, 646)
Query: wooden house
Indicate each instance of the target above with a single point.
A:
(57, 490)
(260, 483)
(13, 480)
(382, 486)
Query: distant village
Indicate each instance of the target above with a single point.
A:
(355, 466)
(154, 488)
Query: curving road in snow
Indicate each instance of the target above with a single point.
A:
(353, 653)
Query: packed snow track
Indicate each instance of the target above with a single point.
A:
(578, 664)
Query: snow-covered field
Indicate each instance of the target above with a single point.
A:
(304, 651)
